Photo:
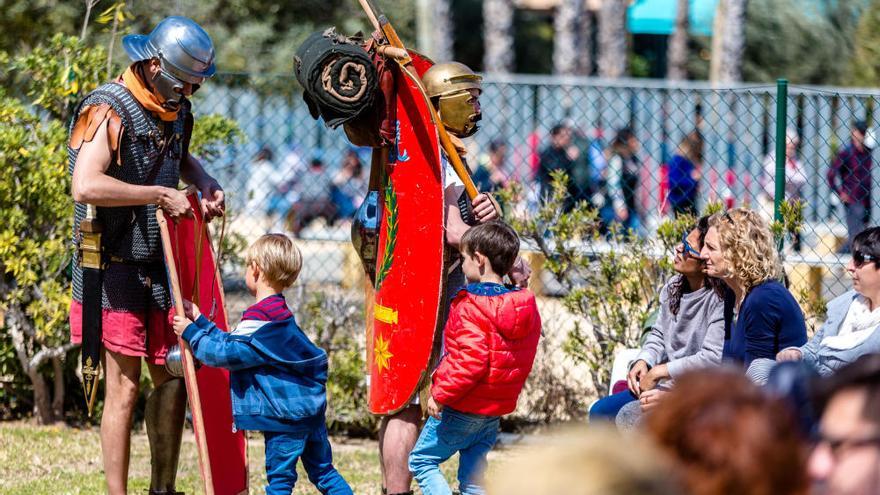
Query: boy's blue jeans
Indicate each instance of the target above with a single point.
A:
(283, 450)
(472, 435)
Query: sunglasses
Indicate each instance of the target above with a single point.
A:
(688, 249)
(860, 258)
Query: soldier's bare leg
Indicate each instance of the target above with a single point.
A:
(397, 437)
(122, 377)
(164, 415)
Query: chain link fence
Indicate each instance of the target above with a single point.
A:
(638, 150)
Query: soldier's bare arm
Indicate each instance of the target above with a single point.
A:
(92, 185)
(455, 226)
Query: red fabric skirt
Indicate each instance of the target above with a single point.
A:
(131, 333)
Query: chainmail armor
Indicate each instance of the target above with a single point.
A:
(131, 233)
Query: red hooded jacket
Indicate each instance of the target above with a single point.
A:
(491, 338)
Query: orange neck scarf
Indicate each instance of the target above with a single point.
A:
(144, 96)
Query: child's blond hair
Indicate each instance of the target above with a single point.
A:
(277, 257)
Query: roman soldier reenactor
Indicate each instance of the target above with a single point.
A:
(128, 150)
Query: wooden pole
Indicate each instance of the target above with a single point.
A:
(381, 23)
(189, 370)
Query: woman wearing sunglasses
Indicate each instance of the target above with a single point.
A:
(740, 250)
(852, 326)
(688, 334)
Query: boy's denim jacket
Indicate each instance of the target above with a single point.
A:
(278, 376)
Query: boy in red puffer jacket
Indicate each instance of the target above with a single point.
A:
(490, 341)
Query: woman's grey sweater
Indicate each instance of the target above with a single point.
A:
(694, 338)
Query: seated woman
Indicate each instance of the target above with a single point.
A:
(688, 334)
(740, 250)
(852, 327)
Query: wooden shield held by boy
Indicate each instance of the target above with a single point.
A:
(194, 275)
(409, 263)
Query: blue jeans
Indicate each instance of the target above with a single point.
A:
(472, 435)
(607, 408)
(282, 452)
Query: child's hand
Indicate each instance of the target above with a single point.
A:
(180, 324)
(434, 408)
(191, 310)
(520, 272)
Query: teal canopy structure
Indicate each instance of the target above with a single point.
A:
(658, 16)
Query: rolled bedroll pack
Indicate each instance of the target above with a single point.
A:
(337, 75)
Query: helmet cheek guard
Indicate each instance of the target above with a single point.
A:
(451, 87)
(185, 53)
(169, 88)
(457, 114)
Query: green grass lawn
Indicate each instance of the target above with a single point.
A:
(37, 460)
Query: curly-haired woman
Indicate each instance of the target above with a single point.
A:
(688, 334)
(739, 249)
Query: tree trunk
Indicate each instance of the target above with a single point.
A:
(58, 392)
(565, 32)
(728, 42)
(584, 40)
(612, 38)
(42, 398)
(31, 355)
(678, 44)
(498, 36)
(443, 34)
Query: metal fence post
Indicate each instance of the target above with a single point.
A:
(781, 117)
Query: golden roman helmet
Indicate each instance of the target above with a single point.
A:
(448, 85)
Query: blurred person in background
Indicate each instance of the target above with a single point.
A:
(846, 459)
(492, 173)
(594, 461)
(261, 183)
(795, 180)
(349, 186)
(620, 181)
(311, 198)
(559, 155)
(729, 437)
(291, 166)
(685, 174)
(852, 166)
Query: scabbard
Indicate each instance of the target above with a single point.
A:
(91, 262)
(91, 334)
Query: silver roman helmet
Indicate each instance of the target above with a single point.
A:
(185, 53)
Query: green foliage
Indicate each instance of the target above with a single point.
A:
(792, 212)
(59, 74)
(806, 42)
(612, 282)
(211, 134)
(35, 217)
(258, 36)
(866, 59)
(335, 322)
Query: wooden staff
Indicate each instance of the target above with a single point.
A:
(189, 369)
(401, 56)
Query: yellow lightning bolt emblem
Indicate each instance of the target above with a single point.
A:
(381, 354)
